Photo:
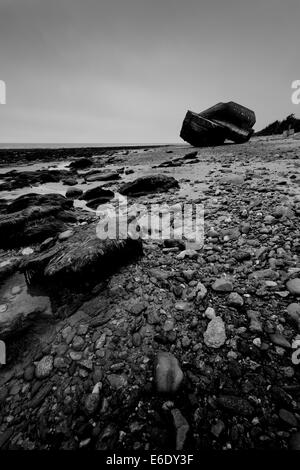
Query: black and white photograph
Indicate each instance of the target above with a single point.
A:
(149, 228)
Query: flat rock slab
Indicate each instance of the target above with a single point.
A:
(149, 184)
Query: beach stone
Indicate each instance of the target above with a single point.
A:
(215, 335)
(168, 374)
(65, 235)
(288, 418)
(73, 193)
(44, 367)
(280, 340)
(255, 324)
(92, 401)
(235, 405)
(117, 381)
(29, 373)
(78, 343)
(210, 313)
(293, 286)
(27, 251)
(293, 311)
(222, 285)
(201, 291)
(235, 300)
(182, 428)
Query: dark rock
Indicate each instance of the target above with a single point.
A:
(222, 121)
(73, 193)
(288, 418)
(148, 184)
(84, 254)
(32, 218)
(81, 163)
(98, 194)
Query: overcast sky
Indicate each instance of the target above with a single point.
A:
(112, 71)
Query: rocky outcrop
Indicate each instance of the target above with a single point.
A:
(17, 179)
(81, 256)
(32, 218)
(80, 163)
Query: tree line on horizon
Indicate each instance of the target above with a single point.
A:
(278, 127)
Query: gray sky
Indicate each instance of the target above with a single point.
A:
(127, 70)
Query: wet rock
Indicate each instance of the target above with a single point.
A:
(235, 405)
(148, 184)
(44, 367)
(182, 428)
(218, 428)
(215, 335)
(168, 374)
(293, 286)
(222, 285)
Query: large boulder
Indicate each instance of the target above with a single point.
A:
(216, 124)
(149, 184)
